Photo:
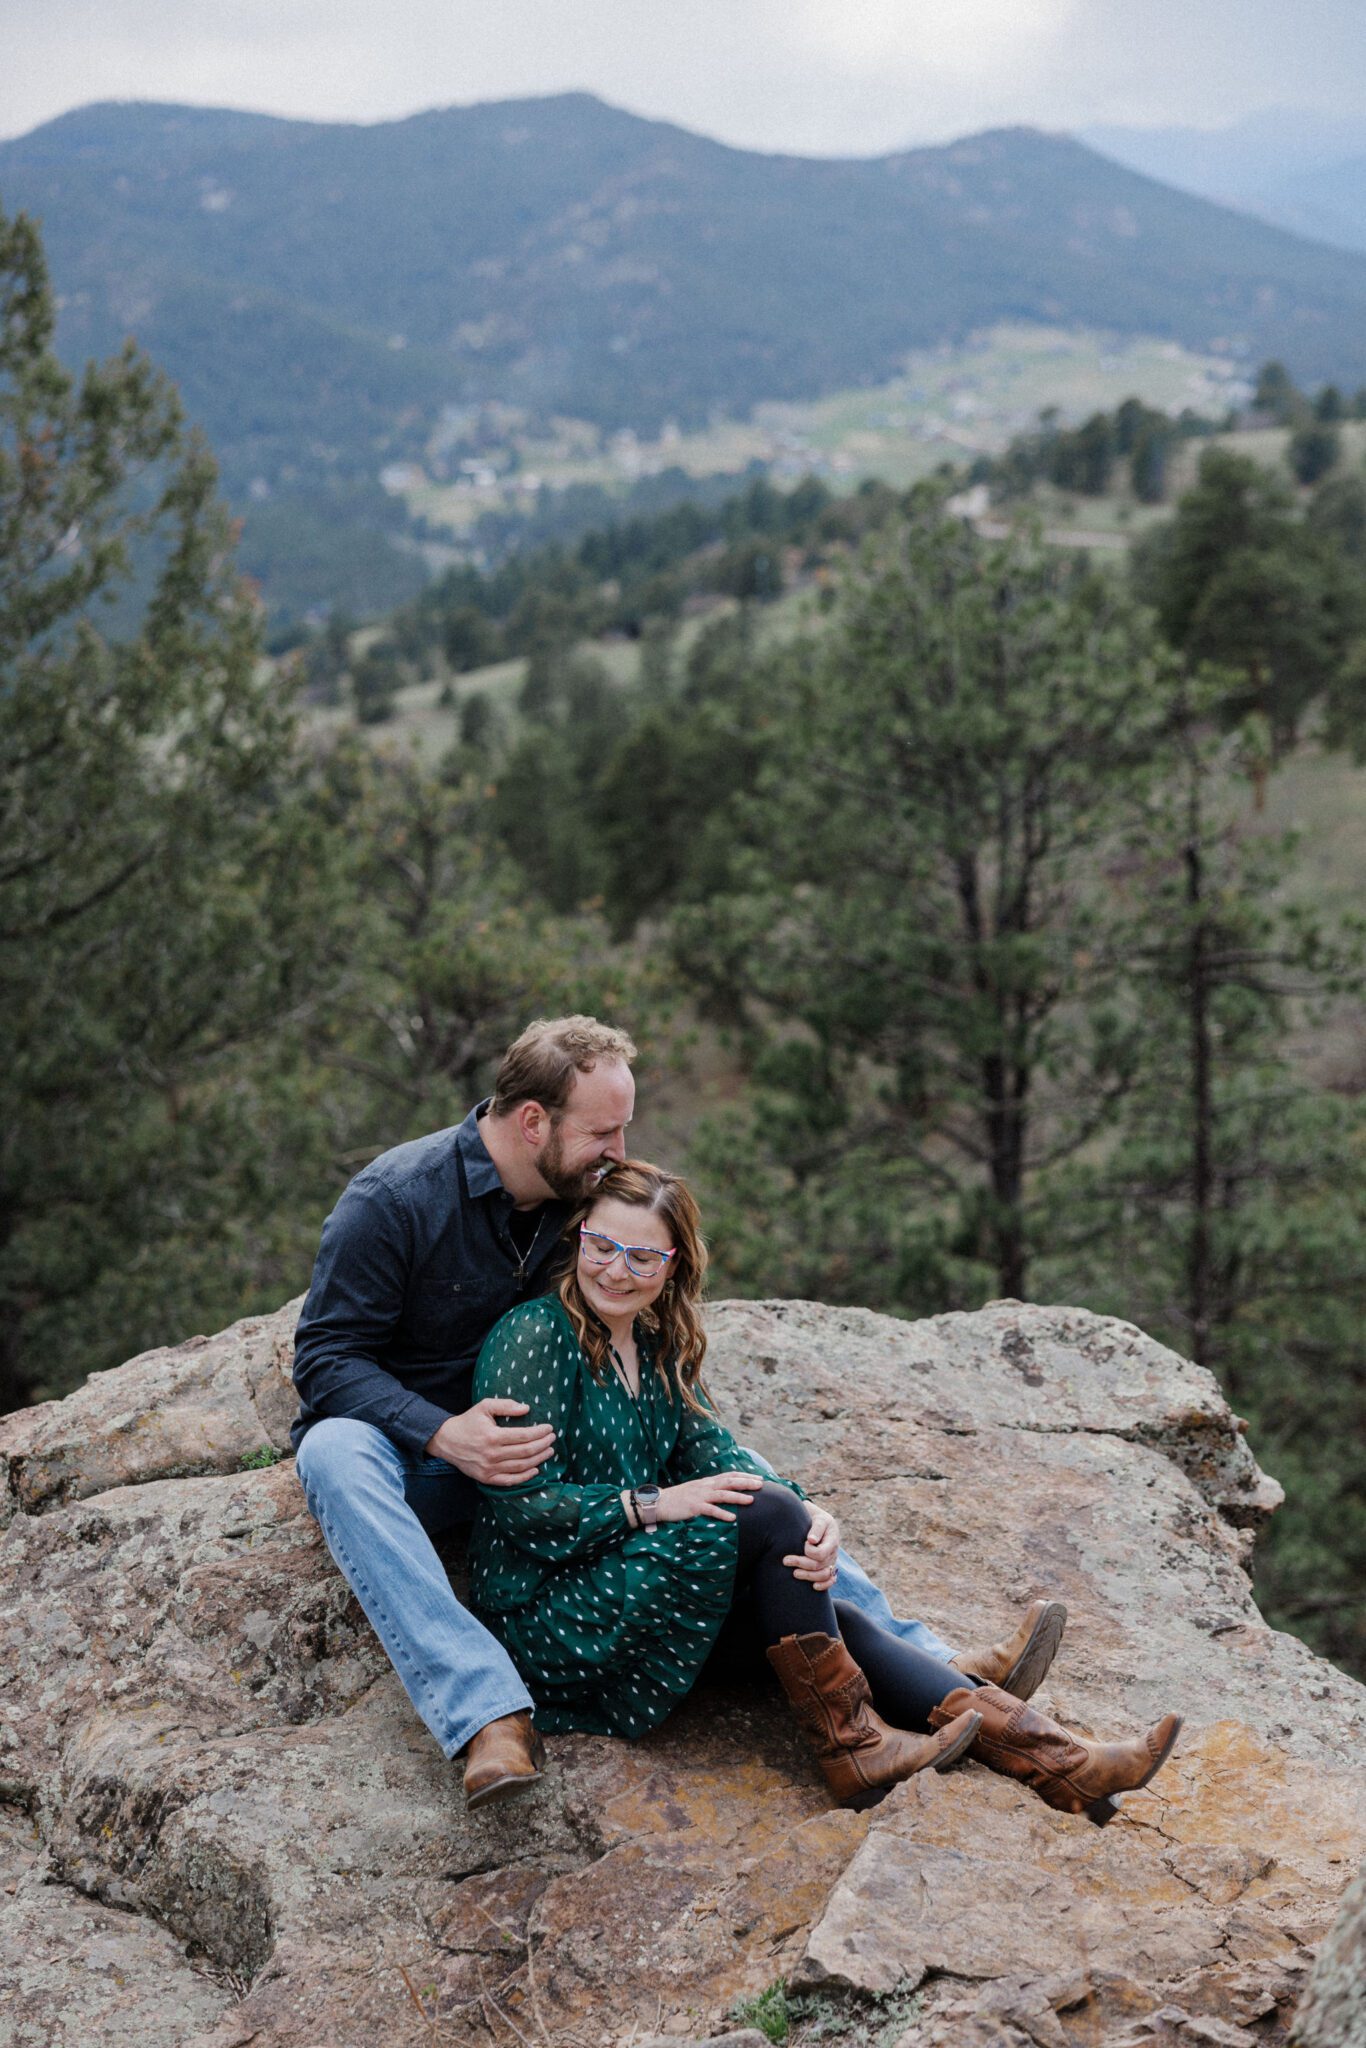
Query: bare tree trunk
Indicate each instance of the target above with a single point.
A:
(1198, 1252)
(1005, 1086)
(1004, 1128)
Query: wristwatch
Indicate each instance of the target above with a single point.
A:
(647, 1500)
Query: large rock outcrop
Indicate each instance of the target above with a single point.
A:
(223, 1825)
(1332, 2013)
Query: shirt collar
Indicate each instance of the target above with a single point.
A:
(481, 1175)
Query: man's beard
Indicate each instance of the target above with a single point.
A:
(567, 1184)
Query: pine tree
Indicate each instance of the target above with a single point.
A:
(1238, 580)
(917, 926)
(153, 856)
(1228, 1214)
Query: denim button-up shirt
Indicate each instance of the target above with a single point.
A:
(415, 1267)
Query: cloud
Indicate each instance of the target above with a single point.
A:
(954, 38)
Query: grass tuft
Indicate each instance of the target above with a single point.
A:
(767, 2010)
(784, 2016)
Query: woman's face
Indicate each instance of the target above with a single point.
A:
(608, 1286)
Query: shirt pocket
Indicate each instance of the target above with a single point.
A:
(438, 1316)
(450, 1314)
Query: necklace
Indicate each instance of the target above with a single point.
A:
(638, 1408)
(523, 1257)
(622, 1373)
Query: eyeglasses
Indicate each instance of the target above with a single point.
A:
(645, 1261)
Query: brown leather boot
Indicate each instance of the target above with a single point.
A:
(862, 1757)
(1020, 1663)
(1066, 1770)
(504, 1758)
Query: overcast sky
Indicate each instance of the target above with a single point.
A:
(814, 76)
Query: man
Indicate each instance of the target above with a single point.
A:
(425, 1250)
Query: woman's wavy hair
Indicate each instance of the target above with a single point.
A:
(674, 1318)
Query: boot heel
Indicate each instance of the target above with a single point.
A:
(861, 1801)
(1103, 1811)
(962, 1742)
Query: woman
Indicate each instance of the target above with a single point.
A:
(608, 1577)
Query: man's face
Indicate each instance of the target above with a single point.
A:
(589, 1134)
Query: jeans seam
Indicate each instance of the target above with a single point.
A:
(369, 1597)
(450, 1743)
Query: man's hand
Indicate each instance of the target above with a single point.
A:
(474, 1443)
(818, 1562)
(705, 1496)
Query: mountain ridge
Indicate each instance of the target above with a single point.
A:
(323, 292)
(474, 229)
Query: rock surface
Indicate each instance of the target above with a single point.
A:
(1333, 2011)
(223, 1824)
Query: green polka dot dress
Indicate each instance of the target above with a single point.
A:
(609, 1625)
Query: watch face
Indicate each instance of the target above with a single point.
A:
(647, 1495)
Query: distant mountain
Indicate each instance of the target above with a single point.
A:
(321, 291)
(1255, 154)
(1328, 203)
(1298, 170)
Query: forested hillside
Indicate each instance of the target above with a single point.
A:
(326, 295)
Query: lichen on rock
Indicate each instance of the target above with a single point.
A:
(214, 1787)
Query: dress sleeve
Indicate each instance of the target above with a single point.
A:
(531, 1357)
(705, 1446)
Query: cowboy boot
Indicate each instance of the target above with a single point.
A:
(861, 1756)
(503, 1758)
(1067, 1771)
(1020, 1663)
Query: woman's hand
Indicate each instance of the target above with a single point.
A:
(707, 1496)
(818, 1562)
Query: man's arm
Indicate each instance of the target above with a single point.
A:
(354, 1305)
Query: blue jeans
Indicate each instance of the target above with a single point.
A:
(378, 1509)
(853, 1584)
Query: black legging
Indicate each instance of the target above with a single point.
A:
(905, 1682)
